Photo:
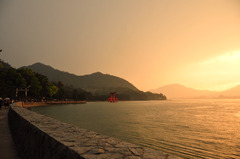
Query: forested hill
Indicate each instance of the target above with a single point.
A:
(93, 82)
(4, 65)
(98, 84)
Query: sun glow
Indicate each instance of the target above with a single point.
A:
(224, 65)
(229, 59)
(216, 73)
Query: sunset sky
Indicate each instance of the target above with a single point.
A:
(150, 43)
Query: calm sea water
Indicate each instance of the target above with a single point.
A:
(186, 128)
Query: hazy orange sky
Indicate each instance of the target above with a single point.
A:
(150, 43)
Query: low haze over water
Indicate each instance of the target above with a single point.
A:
(186, 128)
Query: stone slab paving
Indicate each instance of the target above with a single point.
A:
(7, 146)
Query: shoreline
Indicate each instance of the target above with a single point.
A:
(35, 104)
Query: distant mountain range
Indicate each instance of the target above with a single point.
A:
(232, 92)
(97, 83)
(102, 84)
(179, 91)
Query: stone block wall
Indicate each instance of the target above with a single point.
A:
(40, 137)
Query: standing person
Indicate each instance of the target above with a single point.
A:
(6, 102)
(1, 101)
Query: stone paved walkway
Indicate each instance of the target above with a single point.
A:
(7, 147)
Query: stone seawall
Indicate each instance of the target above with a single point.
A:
(40, 137)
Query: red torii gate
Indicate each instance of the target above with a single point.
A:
(112, 98)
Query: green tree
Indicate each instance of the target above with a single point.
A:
(3, 85)
(10, 79)
(43, 80)
(53, 90)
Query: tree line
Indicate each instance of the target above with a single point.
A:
(14, 82)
